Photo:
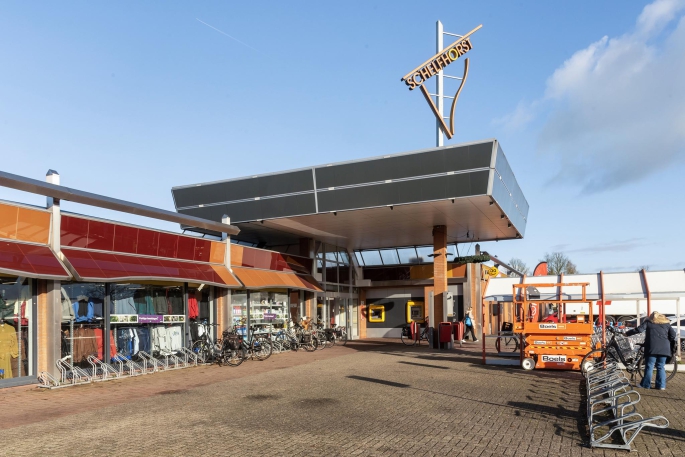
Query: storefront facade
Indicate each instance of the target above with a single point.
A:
(77, 288)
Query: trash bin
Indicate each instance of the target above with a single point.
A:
(445, 332)
(415, 330)
(458, 331)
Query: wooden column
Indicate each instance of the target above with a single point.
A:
(439, 273)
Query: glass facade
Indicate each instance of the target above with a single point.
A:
(268, 309)
(16, 329)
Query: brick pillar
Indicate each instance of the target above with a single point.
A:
(223, 314)
(361, 318)
(439, 273)
(49, 319)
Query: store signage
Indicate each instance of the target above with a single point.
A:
(431, 67)
(493, 271)
(123, 318)
(269, 316)
(146, 319)
(553, 358)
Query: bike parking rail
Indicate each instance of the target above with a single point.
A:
(612, 416)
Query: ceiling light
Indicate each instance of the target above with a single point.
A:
(491, 203)
(501, 216)
(452, 200)
(508, 224)
(335, 213)
(390, 207)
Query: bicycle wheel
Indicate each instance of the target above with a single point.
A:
(341, 338)
(406, 337)
(202, 350)
(320, 341)
(671, 369)
(310, 345)
(506, 344)
(262, 348)
(233, 357)
(592, 358)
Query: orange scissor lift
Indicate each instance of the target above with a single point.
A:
(559, 345)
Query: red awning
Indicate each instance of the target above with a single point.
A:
(105, 266)
(30, 260)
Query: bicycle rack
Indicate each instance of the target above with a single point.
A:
(611, 408)
(151, 364)
(189, 357)
(47, 380)
(72, 374)
(101, 370)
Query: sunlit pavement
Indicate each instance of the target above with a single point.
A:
(370, 398)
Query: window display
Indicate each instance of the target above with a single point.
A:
(16, 333)
(83, 322)
(268, 309)
(148, 318)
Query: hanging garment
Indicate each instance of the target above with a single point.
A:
(21, 312)
(175, 337)
(193, 310)
(125, 342)
(136, 341)
(144, 340)
(194, 331)
(159, 339)
(96, 305)
(176, 302)
(112, 345)
(204, 310)
(67, 311)
(85, 344)
(83, 309)
(160, 303)
(8, 348)
(125, 306)
(6, 309)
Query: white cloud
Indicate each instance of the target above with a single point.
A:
(615, 111)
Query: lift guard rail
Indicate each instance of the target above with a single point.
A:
(612, 415)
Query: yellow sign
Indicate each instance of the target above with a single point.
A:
(493, 271)
(432, 67)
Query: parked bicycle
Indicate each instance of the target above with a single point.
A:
(412, 340)
(209, 351)
(236, 349)
(630, 355)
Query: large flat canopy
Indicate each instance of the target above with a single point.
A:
(386, 201)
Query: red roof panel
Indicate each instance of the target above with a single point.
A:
(30, 260)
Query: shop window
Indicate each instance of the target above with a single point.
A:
(376, 313)
(83, 322)
(16, 323)
(268, 310)
(148, 318)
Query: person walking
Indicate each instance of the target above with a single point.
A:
(659, 343)
(468, 326)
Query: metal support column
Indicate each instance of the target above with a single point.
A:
(106, 354)
(440, 137)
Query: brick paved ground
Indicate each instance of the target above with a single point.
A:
(369, 398)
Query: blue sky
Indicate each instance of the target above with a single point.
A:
(128, 99)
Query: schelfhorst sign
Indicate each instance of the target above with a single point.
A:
(433, 66)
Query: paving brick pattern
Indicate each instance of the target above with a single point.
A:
(368, 399)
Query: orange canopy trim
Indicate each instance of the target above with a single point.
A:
(265, 279)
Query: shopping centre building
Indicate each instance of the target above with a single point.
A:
(366, 244)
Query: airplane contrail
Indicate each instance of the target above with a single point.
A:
(224, 33)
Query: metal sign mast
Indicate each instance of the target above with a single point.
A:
(440, 85)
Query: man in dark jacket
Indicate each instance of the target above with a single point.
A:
(659, 343)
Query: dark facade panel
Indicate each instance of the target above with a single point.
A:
(294, 205)
(263, 186)
(437, 188)
(508, 205)
(457, 158)
(504, 169)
